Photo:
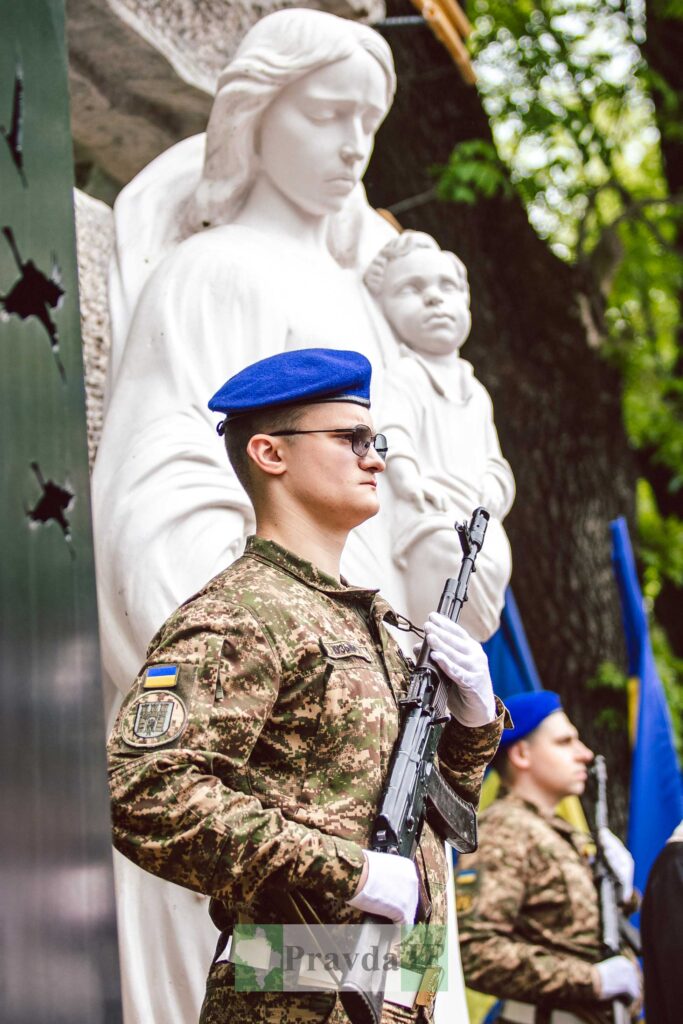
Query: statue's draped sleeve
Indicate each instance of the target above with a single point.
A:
(169, 513)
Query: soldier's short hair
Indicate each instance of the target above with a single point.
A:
(240, 430)
(501, 764)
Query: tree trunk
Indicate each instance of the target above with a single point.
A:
(662, 51)
(557, 404)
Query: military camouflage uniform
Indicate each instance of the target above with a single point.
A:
(247, 760)
(528, 912)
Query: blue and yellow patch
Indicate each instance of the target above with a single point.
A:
(161, 677)
(467, 877)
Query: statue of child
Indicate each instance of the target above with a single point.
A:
(444, 455)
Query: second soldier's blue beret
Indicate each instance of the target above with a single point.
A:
(304, 375)
(527, 711)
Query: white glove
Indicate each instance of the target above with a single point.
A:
(619, 860)
(391, 888)
(619, 977)
(464, 662)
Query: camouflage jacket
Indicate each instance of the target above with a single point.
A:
(248, 758)
(528, 909)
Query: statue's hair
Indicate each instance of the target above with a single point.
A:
(279, 49)
(406, 242)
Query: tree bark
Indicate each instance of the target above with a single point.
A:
(557, 403)
(662, 50)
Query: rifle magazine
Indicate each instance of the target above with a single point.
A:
(453, 819)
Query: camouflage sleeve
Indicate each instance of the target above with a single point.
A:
(496, 958)
(179, 777)
(464, 753)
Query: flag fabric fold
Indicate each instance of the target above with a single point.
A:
(656, 796)
(511, 662)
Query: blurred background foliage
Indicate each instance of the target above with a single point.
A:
(584, 100)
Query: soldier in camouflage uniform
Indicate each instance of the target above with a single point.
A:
(247, 761)
(528, 909)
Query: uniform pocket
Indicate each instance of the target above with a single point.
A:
(356, 730)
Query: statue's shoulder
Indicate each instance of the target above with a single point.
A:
(227, 243)
(473, 384)
(229, 259)
(408, 370)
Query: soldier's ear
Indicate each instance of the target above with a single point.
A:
(519, 755)
(268, 454)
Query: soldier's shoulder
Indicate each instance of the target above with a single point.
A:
(507, 837)
(243, 587)
(247, 576)
(508, 815)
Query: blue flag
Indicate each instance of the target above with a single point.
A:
(656, 805)
(510, 659)
(513, 670)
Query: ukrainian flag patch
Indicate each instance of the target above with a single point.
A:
(161, 677)
(467, 877)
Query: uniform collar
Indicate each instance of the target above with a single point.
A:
(274, 554)
(554, 820)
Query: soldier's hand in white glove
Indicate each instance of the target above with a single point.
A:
(619, 860)
(619, 977)
(463, 661)
(390, 888)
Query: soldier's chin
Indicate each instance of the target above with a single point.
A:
(369, 512)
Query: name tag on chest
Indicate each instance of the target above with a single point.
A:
(337, 649)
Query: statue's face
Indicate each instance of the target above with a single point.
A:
(426, 301)
(316, 138)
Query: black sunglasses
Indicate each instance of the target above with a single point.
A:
(360, 436)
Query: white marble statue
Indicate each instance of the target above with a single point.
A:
(229, 247)
(444, 456)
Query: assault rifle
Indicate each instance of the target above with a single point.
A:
(414, 789)
(615, 926)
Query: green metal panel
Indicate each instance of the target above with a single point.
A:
(58, 939)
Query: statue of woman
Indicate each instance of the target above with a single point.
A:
(259, 251)
(229, 248)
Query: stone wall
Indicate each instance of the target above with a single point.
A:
(94, 238)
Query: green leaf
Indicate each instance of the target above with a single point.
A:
(474, 171)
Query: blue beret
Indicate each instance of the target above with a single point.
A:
(527, 711)
(305, 375)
